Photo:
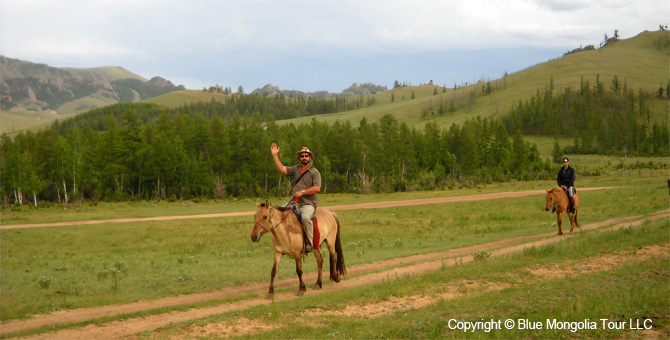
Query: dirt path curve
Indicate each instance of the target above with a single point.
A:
(358, 275)
(373, 205)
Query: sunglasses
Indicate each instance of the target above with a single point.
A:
(304, 156)
(566, 162)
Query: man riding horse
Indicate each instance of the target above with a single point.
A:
(566, 181)
(307, 184)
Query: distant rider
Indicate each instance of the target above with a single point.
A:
(566, 181)
(307, 184)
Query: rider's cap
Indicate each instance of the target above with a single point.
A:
(565, 159)
(304, 150)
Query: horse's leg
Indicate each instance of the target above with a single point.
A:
(559, 221)
(271, 291)
(298, 270)
(319, 263)
(334, 276)
(572, 221)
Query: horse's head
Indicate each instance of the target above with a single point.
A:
(551, 200)
(262, 221)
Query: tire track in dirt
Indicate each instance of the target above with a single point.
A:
(373, 205)
(414, 266)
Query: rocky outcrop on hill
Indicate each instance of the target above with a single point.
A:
(51, 87)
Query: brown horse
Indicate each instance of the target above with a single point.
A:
(288, 238)
(558, 199)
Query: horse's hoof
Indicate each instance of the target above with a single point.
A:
(316, 287)
(560, 233)
(270, 297)
(299, 293)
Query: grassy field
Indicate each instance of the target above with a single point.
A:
(482, 291)
(61, 268)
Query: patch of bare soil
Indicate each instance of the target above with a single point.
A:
(403, 303)
(366, 274)
(600, 263)
(237, 328)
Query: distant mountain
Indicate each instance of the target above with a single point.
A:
(26, 86)
(354, 90)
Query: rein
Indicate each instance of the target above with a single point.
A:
(265, 230)
(559, 202)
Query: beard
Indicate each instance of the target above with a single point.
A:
(305, 161)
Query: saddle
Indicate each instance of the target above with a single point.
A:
(296, 211)
(571, 209)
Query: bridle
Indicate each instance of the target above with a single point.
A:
(559, 202)
(273, 227)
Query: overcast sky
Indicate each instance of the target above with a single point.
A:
(313, 45)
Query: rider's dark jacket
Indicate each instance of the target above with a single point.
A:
(566, 177)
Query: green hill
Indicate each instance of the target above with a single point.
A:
(642, 62)
(32, 94)
(178, 98)
(112, 73)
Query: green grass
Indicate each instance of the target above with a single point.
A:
(18, 120)
(110, 72)
(631, 291)
(123, 262)
(96, 100)
(179, 98)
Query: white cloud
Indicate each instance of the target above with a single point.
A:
(192, 37)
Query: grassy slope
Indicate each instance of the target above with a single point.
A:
(112, 73)
(12, 122)
(635, 60)
(98, 99)
(24, 117)
(179, 98)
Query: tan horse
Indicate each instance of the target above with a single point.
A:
(558, 199)
(288, 238)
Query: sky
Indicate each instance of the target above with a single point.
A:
(315, 45)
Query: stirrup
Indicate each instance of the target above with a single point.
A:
(308, 248)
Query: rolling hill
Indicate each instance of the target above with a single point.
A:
(642, 62)
(33, 95)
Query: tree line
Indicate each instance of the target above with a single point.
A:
(601, 119)
(217, 149)
(143, 151)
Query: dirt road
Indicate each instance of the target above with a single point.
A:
(374, 205)
(357, 276)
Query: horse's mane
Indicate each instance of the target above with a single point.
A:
(280, 208)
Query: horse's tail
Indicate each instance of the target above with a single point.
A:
(341, 269)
